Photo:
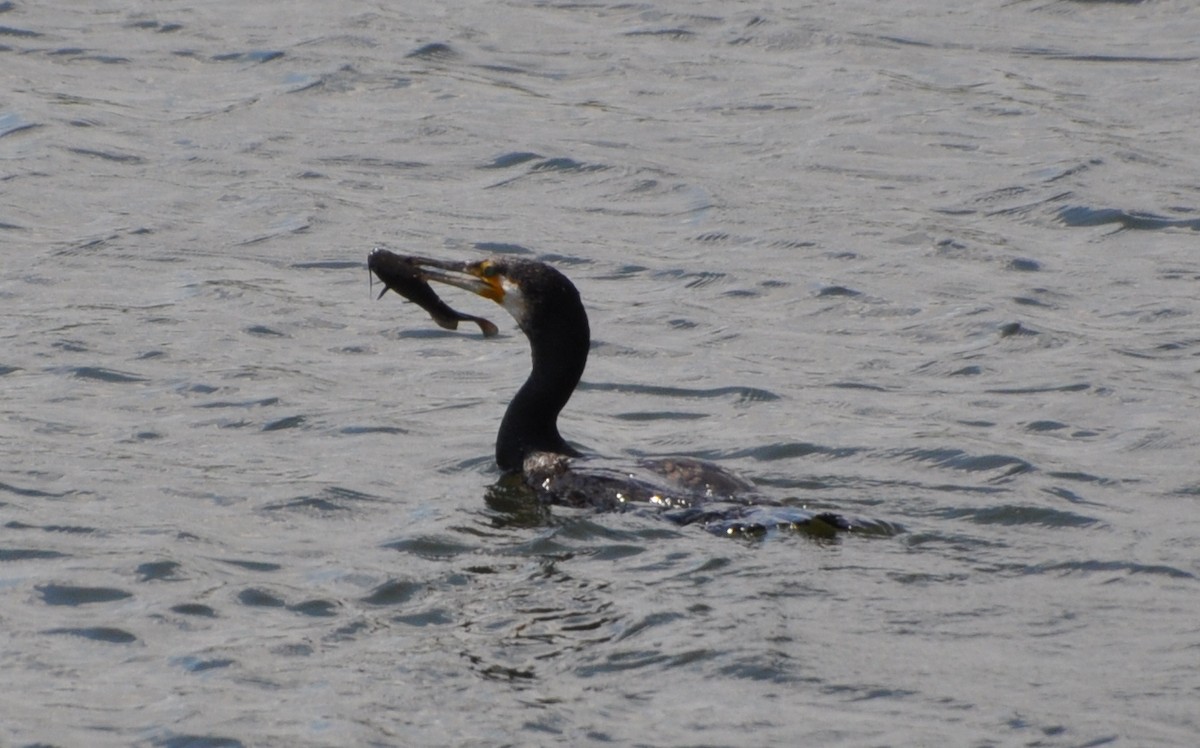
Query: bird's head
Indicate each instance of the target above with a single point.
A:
(533, 292)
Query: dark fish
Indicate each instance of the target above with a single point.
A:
(404, 276)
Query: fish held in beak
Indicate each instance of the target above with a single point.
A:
(409, 277)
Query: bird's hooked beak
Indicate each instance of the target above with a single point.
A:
(481, 278)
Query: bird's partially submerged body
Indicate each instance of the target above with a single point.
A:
(548, 309)
(683, 490)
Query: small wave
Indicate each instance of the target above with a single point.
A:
(11, 122)
(514, 158)
(328, 265)
(675, 33)
(197, 665)
(1017, 514)
(431, 547)
(170, 739)
(1087, 567)
(744, 394)
(252, 565)
(254, 55)
(565, 164)
(194, 609)
(701, 279)
(792, 450)
(1056, 54)
(660, 415)
(266, 332)
(27, 554)
(20, 33)
(828, 291)
(66, 594)
(502, 248)
(1079, 216)
(259, 598)
(1023, 265)
(393, 592)
(331, 499)
(108, 634)
(433, 51)
(105, 375)
(290, 422)
(156, 26)
(857, 386)
(1079, 476)
(158, 571)
(957, 459)
(70, 529)
(315, 608)
(371, 164)
(1078, 387)
(120, 158)
(263, 402)
(315, 503)
(360, 430)
(33, 493)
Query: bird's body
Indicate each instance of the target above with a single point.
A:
(548, 309)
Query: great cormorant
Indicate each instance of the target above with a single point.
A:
(548, 309)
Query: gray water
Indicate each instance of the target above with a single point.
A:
(927, 263)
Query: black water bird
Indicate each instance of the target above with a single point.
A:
(548, 309)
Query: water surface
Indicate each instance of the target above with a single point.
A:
(934, 266)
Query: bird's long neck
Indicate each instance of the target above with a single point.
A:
(560, 350)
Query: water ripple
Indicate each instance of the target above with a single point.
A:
(103, 374)
(1018, 514)
(108, 634)
(1082, 216)
(744, 394)
(70, 595)
(957, 459)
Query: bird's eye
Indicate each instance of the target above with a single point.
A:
(489, 269)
